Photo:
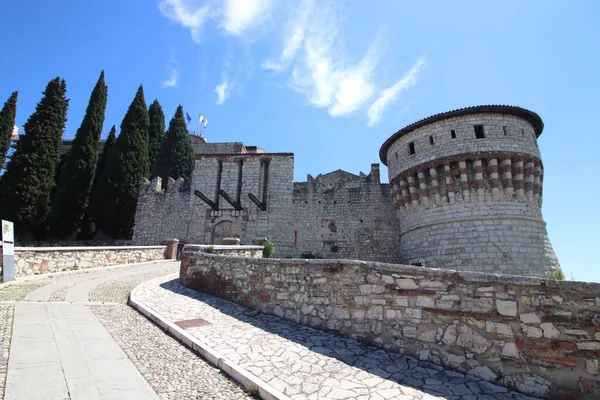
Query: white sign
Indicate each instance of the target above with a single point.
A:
(8, 249)
(8, 232)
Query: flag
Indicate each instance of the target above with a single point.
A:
(15, 133)
(205, 122)
(201, 118)
(188, 118)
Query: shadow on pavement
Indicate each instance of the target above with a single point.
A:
(424, 376)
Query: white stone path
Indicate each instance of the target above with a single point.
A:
(305, 363)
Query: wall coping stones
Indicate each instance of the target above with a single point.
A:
(77, 248)
(201, 247)
(421, 272)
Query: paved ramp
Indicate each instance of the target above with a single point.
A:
(62, 351)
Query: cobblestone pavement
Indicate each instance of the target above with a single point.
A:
(173, 371)
(305, 363)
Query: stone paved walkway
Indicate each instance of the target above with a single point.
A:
(98, 296)
(305, 363)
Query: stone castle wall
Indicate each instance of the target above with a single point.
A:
(454, 200)
(471, 203)
(238, 175)
(342, 215)
(537, 336)
(161, 213)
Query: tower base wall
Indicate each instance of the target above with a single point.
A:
(502, 245)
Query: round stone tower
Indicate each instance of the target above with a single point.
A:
(467, 187)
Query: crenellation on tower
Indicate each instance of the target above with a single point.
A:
(485, 166)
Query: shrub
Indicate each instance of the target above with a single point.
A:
(268, 249)
(557, 275)
(210, 249)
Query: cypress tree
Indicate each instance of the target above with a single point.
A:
(93, 219)
(156, 133)
(177, 154)
(7, 123)
(73, 191)
(26, 185)
(127, 164)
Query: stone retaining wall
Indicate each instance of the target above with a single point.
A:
(225, 250)
(44, 260)
(537, 336)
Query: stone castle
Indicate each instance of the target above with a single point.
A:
(465, 193)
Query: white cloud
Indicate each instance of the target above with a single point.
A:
(323, 73)
(241, 15)
(311, 50)
(294, 33)
(222, 90)
(172, 68)
(387, 96)
(186, 13)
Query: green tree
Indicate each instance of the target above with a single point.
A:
(127, 165)
(26, 185)
(75, 185)
(7, 123)
(156, 133)
(177, 154)
(95, 211)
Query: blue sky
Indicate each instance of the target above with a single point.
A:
(331, 80)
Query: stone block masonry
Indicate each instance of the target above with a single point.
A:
(465, 193)
(537, 336)
(342, 215)
(467, 188)
(45, 260)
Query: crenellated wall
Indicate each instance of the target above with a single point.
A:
(465, 193)
(467, 202)
(540, 337)
(345, 215)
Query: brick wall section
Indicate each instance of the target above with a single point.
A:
(537, 336)
(44, 260)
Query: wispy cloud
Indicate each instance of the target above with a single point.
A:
(387, 96)
(294, 33)
(187, 14)
(324, 73)
(311, 51)
(241, 15)
(222, 91)
(172, 67)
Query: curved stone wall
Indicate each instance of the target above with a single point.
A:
(538, 336)
(471, 203)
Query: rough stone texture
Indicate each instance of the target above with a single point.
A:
(43, 260)
(333, 215)
(458, 202)
(471, 204)
(309, 364)
(225, 250)
(342, 215)
(468, 332)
